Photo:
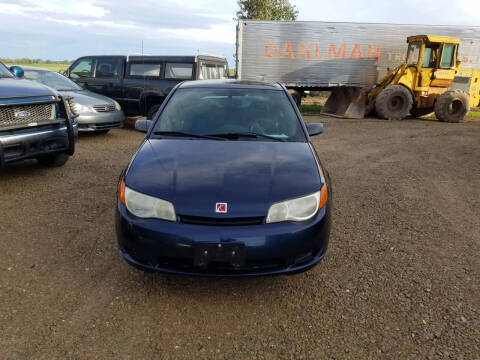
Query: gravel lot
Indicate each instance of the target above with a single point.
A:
(401, 279)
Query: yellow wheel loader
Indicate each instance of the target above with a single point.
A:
(430, 80)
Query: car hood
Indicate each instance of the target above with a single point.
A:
(14, 87)
(85, 97)
(247, 175)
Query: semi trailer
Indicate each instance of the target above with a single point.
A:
(340, 57)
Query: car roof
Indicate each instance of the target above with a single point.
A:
(230, 83)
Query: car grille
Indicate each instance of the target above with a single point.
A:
(26, 115)
(211, 221)
(104, 108)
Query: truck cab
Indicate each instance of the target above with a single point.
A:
(35, 122)
(141, 83)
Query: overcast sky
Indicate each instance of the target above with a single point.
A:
(67, 29)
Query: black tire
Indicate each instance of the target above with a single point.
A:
(452, 106)
(53, 160)
(394, 102)
(153, 111)
(420, 112)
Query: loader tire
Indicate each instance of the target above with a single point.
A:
(420, 112)
(394, 102)
(452, 106)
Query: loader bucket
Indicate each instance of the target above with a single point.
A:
(346, 101)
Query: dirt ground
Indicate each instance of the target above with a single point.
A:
(401, 279)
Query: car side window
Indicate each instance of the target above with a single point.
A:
(145, 70)
(182, 71)
(82, 68)
(107, 67)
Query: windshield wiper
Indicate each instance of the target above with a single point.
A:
(184, 134)
(236, 135)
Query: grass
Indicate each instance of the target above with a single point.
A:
(310, 109)
(475, 114)
(53, 67)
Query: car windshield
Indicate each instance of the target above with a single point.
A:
(4, 72)
(240, 114)
(52, 79)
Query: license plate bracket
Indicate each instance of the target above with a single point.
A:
(233, 253)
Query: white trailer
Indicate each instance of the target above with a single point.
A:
(314, 55)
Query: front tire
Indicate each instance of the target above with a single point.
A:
(452, 106)
(53, 160)
(394, 102)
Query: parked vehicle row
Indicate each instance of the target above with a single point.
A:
(209, 191)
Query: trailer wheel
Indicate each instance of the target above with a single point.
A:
(394, 102)
(452, 106)
(420, 112)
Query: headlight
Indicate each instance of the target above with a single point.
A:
(79, 109)
(145, 206)
(299, 209)
(117, 105)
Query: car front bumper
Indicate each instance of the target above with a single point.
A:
(16, 145)
(269, 249)
(99, 121)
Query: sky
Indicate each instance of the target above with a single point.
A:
(67, 29)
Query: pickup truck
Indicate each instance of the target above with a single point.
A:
(35, 122)
(141, 83)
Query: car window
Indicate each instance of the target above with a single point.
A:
(4, 72)
(145, 70)
(448, 56)
(178, 71)
(82, 68)
(52, 79)
(205, 111)
(212, 71)
(413, 53)
(107, 67)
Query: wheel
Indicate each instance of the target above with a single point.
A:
(53, 160)
(153, 111)
(420, 112)
(452, 106)
(394, 102)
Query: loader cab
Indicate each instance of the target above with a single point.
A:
(435, 60)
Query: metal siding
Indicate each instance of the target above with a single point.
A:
(329, 71)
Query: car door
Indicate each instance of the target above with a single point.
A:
(139, 75)
(82, 71)
(108, 76)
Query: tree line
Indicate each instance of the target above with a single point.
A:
(33, 61)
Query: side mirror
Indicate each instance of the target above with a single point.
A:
(143, 125)
(17, 71)
(314, 128)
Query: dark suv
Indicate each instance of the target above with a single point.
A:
(35, 122)
(141, 83)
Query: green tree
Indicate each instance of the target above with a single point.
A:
(266, 10)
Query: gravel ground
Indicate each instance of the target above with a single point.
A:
(400, 280)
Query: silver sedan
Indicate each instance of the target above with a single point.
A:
(95, 112)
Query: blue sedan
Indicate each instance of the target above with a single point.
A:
(225, 183)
